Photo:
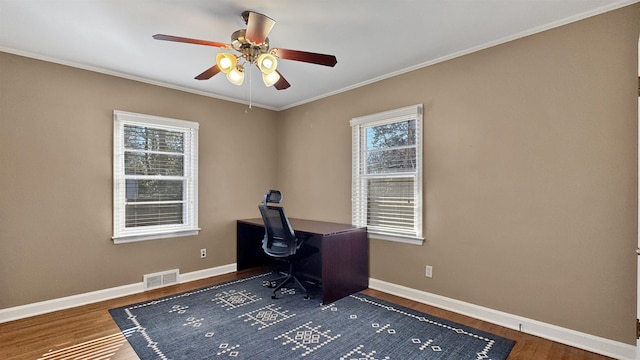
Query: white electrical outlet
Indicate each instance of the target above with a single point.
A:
(203, 253)
(428, 271)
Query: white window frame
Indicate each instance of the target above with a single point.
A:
(359, 176)
(122, 234)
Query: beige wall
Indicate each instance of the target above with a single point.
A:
(530, 176)
(56, 128)
(530, 164)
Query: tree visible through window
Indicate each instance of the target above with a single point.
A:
(155, 174)
(387, 185)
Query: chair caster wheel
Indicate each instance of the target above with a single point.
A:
(307, 297)
(274, 297)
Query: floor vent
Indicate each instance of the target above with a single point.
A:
(165, 278)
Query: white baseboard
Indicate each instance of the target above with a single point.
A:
(555, 333)
(24, 311)
(203, 274)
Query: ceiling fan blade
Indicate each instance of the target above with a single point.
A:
(313, 58)
(209, 73)
(190, 41)
(282, 83)
(258, 28)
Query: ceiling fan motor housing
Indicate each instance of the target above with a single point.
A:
(248, 50)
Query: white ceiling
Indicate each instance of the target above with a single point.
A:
(114, 37)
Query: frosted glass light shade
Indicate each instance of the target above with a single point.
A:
(236, 76)
(226, 62)
(267, 63)
(270, 79)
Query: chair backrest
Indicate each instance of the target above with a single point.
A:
(279, 239)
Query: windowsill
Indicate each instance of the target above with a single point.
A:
(136, 238)
(403, 239)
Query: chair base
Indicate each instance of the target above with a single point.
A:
(284, 280)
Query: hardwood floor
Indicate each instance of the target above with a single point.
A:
(88, 332)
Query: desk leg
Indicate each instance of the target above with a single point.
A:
(249, 252)
(345, 264)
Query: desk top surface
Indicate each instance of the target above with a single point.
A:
(311, 226)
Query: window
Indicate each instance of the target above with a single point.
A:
(387, 174)
(155, 177)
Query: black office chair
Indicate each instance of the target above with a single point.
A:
(280, 241)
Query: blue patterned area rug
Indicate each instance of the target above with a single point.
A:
(239, 320)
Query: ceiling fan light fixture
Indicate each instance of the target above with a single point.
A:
(252, 44)
(236, 75)
(267, 63)
(226, 62)
(270, 79)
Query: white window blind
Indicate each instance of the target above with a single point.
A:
(155, 174)
(387, 174)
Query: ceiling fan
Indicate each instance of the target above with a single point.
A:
(253, 45)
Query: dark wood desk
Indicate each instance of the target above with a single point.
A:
(341, 263)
